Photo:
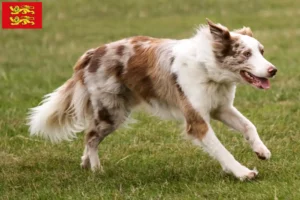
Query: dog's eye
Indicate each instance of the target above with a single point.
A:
(247, 54)
(262, 51)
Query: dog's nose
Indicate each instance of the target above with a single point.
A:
(272, 71)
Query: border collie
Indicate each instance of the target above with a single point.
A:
(192, 80)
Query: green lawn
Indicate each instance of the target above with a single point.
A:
(152, 160)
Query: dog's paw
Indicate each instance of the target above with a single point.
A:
(84, 165)
(97, 168)
(250, 175)
(85, 162)
(241, 172)
(247, 174)
(262, 152)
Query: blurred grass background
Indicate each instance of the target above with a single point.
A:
(151, 160)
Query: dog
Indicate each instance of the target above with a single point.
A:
(192, 80)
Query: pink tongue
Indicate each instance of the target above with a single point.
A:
(264, 83)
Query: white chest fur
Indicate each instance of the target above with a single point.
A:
(205, 96)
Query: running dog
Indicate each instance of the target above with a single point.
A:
(192, 80)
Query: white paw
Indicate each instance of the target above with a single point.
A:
(85, 162)
(262, 151)
(240, 171)
(97, 168)
(251, 174)
(245, 174)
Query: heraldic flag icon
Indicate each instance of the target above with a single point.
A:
(22, 15)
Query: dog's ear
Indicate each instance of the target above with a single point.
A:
(244, 31)
(219, 32)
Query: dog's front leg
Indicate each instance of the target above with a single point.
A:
(203, 135)
(234, 119)
(199, 129)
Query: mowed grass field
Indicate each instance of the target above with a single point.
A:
(152, 160)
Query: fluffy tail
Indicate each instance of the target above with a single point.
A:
(66, 111)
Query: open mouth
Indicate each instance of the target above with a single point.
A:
(261, 83)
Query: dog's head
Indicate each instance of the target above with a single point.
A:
(241, 54)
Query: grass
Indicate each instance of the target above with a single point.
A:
(151, 160)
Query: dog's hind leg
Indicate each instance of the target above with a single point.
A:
(85, 161)
(110, 111)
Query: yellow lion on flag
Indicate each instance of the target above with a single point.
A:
(21, 20)
(15, 10)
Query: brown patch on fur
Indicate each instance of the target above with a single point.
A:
(228, 49)
(96, 59)
(137, 39)
(146, 78)
(83, 62)
(195, 124)
(141, 68)
(219, 32)
(91, 134)
(115, 70)
(224, 44)
(237, 55)
(179, 89)
(225, 48)
(78, 68)
(244, 31)
(120, 50)
(104, 115)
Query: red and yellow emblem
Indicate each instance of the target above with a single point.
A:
(27, 15)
